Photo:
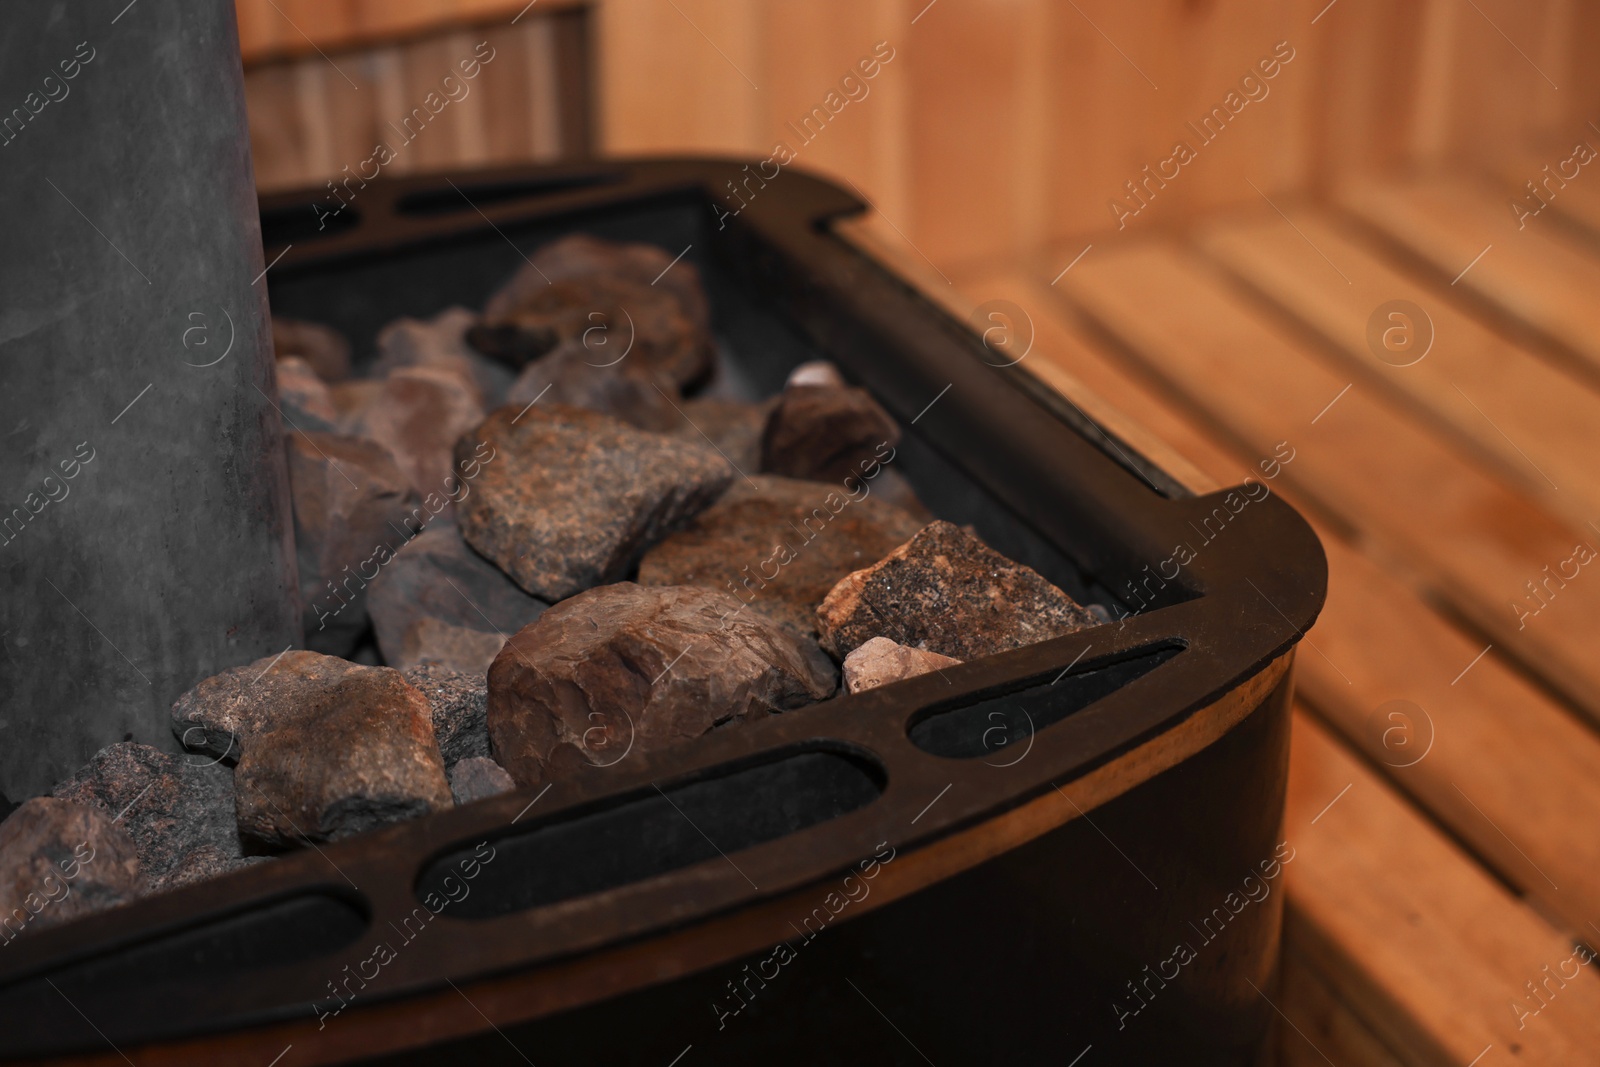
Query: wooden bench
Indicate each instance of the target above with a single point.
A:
(1446, 876)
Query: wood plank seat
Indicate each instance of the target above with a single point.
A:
(1400, 648)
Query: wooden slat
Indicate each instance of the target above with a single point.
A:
(1475, 538)
(1322, 1028)
(808, 50)
(1426, 947)
(1536, 422)
(272, 30)
(1514, 787)
(1532, 772)
(1533, 276)
(680, 77)
(1569, 201)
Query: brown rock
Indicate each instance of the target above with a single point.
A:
(459, 706)
(219, 715)
(881, 661)
(170, 806)
(779, 545)
(418, 417)
(59, 861)
(323, 347)
(434, 641)
(350, 504)
(303, 398)
(627, 668)
(601, 295)
(826, 433)
(441, 343)
(574, 376)
(733, 427)
(582, 256)
(572, 497)
(326, 748)
(478, 778)
(946, 591)
(436, 576)
(351, 399)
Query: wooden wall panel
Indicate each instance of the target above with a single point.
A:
(1001, 127)
(314, 115)
(678, 76)
(808, 50)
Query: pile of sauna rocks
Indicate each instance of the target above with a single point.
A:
(523, 551)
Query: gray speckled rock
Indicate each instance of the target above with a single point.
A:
(572, 497)
(350, 503)
(418, 416)
(947, 592)
(581, 286)
(60, 860)
(435, 576)
(441, 342)
(477, 778)
(431, 641)
(780, 544)
(627, 668)
(220, 714)
(574, 375)
(326, 748)
(733, 427)
(826, 433)
(203, 863)
(171, 806)
(459, 703)
(881, 661)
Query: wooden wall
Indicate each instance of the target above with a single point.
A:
(999, 128)
(327, 81)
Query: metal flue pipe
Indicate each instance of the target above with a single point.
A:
(145, 530)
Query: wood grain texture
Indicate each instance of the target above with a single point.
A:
(1362, 462)
(1429, 950)
(1532, 420)
(684, 76)
(1320, 1026)
(1531, 275)
(1001, 128)
(1519, 809)
(317, 118)
(1391, 874)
